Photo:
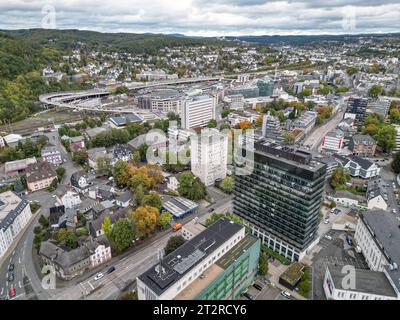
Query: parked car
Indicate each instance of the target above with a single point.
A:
(394, 211)
(328, 237)
(286, 294)
(12, 292)
(349, 240)
(326, 221)
(211, 210)
(248, 296)
(11, 277)
(98, 276)
(257, 286)
(11, 267)
(111, 269)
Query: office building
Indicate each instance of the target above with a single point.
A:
(266, 87)
(380, 106)
(162, 99)
(209, 156)
(248, 91)
(397, 147)
(305, 122)
(333, 141)
(356, 110)
(15, 213)
(178, 270)
(52, 155)
(271, 127)
(281, 198)
(197, 112)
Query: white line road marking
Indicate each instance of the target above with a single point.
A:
(90, 284)
(19, 260)
(13, 253)
(2, 290)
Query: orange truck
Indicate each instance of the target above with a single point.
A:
(177, 227)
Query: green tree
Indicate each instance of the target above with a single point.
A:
(396, 163)
(60, 172)
(174, 243)
(225, 113)
(122, 234)
(80, 157)
(106, 226)
(44, 221)
(339, 177)
(104, 165)
(375, 91)
(143, 150)
(190, 186)
(152, 199)
(288, 139)
(227, 184)
(139, 194)
(119, 173)
(263, 265)
(164, 220)
(212, 123)
(386, 138)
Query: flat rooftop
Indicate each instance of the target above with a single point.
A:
(178, 263)
(296, 156)
(198, 285)
(11, 206)
(367, 281)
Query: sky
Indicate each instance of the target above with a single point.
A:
(205, 18)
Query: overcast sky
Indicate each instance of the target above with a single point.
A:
(206, 18)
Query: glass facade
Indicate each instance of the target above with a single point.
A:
(281, 197)
(266, 87)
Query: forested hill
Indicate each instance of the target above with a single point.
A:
(21, 63)
(127, 42)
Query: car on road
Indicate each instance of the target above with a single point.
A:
(11, 267)
(98, 276)
(111, 269)
(326, 221)
(248, 296)
(211, 210)
(286, 294)
(349, 240)
(328, 237)
(257, 286)
(11, 277)
(12, 292)
(394, 211)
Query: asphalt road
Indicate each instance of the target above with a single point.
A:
(128, 268)
(22, 256)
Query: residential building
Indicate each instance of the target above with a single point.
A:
(79, 181)
(347, 199)
(178, 270)
(363, 168)
(124, 199)
(331, 165)
(333, 141)
(15, 213)
(70, 263)
(52, 155)
(281, 198)
(369, 285)
(243, 78)
(173, 184)
(209, 156)
(356, 110)
(397, 147)
(76, 143)
(40, 175)
(271, 127)
(235, 102)
(95, 154)
(121, 152)
(70, 199)
(377, 198)
(197, 111)
(363, 145)
(266, 87)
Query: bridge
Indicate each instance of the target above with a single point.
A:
(64, 99)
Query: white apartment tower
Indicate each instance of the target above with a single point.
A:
(197, 111)
(209, 156)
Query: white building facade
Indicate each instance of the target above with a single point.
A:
(209, 156)
(197, 112)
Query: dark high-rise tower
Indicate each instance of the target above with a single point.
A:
(281, 198)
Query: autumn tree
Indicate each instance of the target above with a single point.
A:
(152, 199)
(145, 219)
(106, 226)
(174, 243)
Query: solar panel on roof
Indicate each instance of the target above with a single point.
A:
(189, 261)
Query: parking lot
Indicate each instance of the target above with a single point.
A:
(334, 251)
(269, 291)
